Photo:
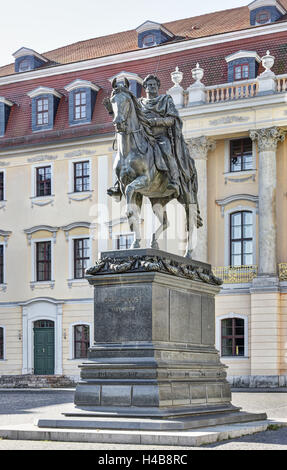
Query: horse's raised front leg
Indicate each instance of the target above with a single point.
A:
(134, 203)
(191, 226)
(160, 211)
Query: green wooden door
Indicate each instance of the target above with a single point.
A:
(44, 347)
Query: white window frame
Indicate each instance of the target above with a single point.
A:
(72, 337)
(227, 213)
(34, 180)
(4, 200)
(218, 321)
(227, 171)
(117, 235)
(71, 175)
(71, 255)
(33, 261)
(4, 343)
(3, 284)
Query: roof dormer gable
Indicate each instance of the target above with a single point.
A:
(28, 59)
(151, 34)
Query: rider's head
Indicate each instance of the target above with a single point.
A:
(151, 85)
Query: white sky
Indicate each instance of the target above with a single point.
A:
(49, 24)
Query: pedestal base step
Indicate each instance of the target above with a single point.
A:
(141, 439)
(147, 424)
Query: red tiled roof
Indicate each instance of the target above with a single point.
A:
(218, 22)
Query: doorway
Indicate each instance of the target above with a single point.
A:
(44, 347)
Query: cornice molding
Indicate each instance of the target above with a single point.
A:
(146, 53)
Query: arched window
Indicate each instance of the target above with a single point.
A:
(241, 238)
(81, 341)
(232, 337)
(1, 343)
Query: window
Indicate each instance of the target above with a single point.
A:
(81, 257)
(42, 111)
(24, 65)
(1, 343)
(43, 181)
(1, 264)
(81, 341)
(241, 72)
(241, 238)
(81, 176)
(232, 337)
(43, 261)
(1, 186)
(263, 17)
(149, 40)
(241, 156)
(123, 242)
(80, 105)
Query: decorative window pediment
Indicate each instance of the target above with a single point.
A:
(82, 99)
(45, 103)
(151, 34)
(41, 228)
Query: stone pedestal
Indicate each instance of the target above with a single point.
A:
(153, 364)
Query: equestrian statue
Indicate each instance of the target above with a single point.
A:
(152, 158)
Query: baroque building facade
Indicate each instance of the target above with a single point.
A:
(227, 74)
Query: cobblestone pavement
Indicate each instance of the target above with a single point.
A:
(23, 406)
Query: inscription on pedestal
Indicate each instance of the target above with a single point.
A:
(122, 313)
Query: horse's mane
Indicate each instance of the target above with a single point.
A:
(140, 115)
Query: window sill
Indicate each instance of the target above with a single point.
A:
(233, 358)
(80, 196)
(42, 200)
(78, 282)
(3, 204)
(240, 176)
(42, 284)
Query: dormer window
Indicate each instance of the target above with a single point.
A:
(265, 11)
(262, 17)
(152, 34)
(45, 102)
(27, 59)
(149, 40)
(82, 99)
(80, 105)
(242, 65)
(5, 107)
(24, 65)
(241, 72)
(42, 111)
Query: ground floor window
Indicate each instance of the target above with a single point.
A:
(232, 337)
(81, 341)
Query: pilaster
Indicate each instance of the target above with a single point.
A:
(267, 140)
(199, 148)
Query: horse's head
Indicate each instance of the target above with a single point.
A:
(121, 103)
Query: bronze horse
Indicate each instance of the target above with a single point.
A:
(137, 173)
